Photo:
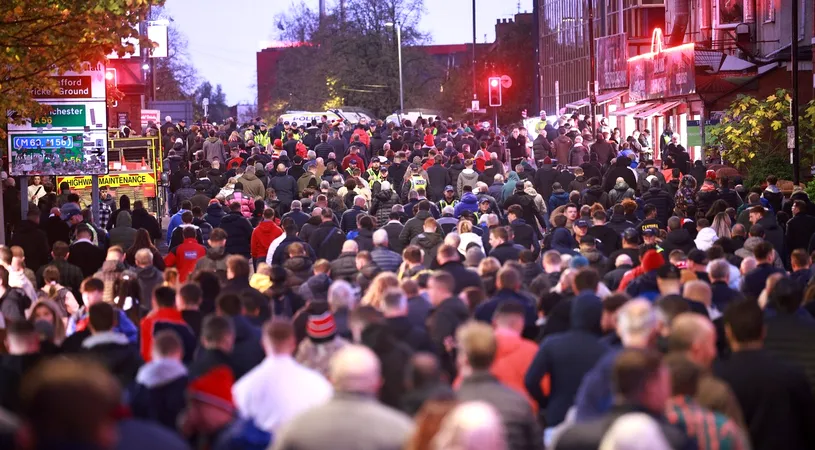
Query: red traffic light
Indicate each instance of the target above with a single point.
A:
(495, 94)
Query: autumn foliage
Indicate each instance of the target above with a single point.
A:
(39, 37)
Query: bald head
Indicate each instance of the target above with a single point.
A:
(316, 212)
(747, 265)
(623, 260)
(694, 335)
(350, 247)
(698, 291)
(355, 369)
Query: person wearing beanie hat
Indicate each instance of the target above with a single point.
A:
(322, 340)
(280, 387)
(642, 280)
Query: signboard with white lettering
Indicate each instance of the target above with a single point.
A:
(71, 139)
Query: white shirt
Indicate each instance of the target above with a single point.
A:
(38, 191)
(277, 390)
(273, 247)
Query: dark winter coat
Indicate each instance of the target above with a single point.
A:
(610, 238)
(438, 177)
(413, 228)
(619, 170)
(113, 351)
(144, 220)
(286, 188)
(214, 214)
(382, 204)
(463, 276)
(160, 392)
(486, 310)
(505, 252)
(327, 240)
(677, 240)
(429, 243)
(567, 357)
(558, 198)
(365, 240)
(596, 194)
(663, 201)
(239, 234)
(34, 242)
(394, 356)
(530, 215)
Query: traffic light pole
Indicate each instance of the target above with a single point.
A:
(593, 68)
(475, 96)
(796, 157)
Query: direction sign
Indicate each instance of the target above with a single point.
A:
(476, 111)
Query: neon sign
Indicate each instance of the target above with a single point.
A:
(662, 72)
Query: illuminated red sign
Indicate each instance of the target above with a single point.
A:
(663, 72)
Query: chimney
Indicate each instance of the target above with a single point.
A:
(681, 18)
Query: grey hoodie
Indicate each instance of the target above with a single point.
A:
(750, 245)
(214, 148)
(467, 177)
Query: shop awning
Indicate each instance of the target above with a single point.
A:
(602, 99)
(632, 109)
(657, 110)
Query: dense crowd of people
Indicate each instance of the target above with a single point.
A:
(428, 285)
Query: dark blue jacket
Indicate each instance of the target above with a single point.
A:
(239, 234)
(753, 283)
(594, 398)
(300, 218)
(215, 212)
(247, 352)
(644, 286)
(485, 311)
(723, 295)
(558, 198)
(567, 357)
(469, 202)
(160, 394)
(348, 221)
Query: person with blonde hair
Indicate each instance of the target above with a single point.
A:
(471, 426)
(488, 271)
(465, 233)
(381, 283)
(62, 297)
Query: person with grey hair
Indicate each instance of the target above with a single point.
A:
(296, 214)
(622, 265)
(147, 274)
(719, 272)
(636, 327)
(448, 221)
(353, 418)
(471, 426)
(348, 222)
(382, 256)
(342, 299)
(497, 186)
(383, 202)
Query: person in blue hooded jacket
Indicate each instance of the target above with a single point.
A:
(567, 357)
(469, 202)
(509, 185)
(559, 196)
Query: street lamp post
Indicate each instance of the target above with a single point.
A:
(399, 51)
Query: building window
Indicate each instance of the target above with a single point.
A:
(731, 12)
(768, 11)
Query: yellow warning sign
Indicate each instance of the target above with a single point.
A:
(112, 180)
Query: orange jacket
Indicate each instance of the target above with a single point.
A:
(513, 356)
(363, 137)
(262, 238)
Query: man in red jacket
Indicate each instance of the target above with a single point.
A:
(263, 236)
(165, 316)
(184, 256)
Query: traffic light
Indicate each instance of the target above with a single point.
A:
(110, 75)
(495, 91)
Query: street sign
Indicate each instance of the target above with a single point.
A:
(476, 105)
(72, 138)
(477, 111)
(790, 137)
(149, 115)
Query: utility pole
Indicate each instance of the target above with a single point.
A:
(475, 96)
(796, 157)
(592, 68)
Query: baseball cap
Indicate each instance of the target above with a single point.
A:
(649, 232)
(485, 200)
(581, 223)
(353, 162)
(449, 188)
(668, 272)
(631, 234)
(414, 166)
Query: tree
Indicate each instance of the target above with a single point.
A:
(217, 111)
(39, 37)
(753, 134)
(351, 58)
(175, 75)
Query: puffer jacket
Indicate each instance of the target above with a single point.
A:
(469, 202)
(344, 267)
(382, 204)
(246, 201)
(300, 268)
(620, 192)
(239, 234)
(215, 212)
(562, 146)
(184, 193)
(705, 197)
